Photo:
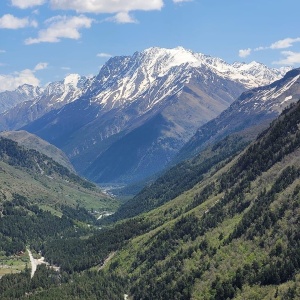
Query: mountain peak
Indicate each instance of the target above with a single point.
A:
(72, 79)
(29, 90)
(251, 74)
(169, 58)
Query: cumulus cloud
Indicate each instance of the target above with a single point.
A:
(106, 6)
(102, 54)
(121, 18)
(9, 21)
(285, 43)
(27, 76)
(291, 58)
(26, 3)
(281, 44)
(11, 82)
(61, 27)
(244, 52)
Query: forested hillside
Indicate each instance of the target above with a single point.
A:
(233, 235)
(40, 200)
(182, 177)
(44, 181)
(31, 141)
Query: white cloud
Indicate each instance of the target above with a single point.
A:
(27, 76)
(11, 82)
(285, 43)
(261, 48)
(106, 6)
(2, 51)
(291, 58)
(180, 1)
(9, 21)
(41, 66)
(61, 27)
(66, 68)
(281, 44)
(104, 55)
(121, 18)
(244, 52)
(26, 3)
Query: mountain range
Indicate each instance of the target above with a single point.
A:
(233, 234)
(222, 222)
(34, 102)
(130, 121)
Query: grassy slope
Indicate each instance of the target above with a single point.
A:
(234, 235)
(147, 259)
(31, 141)
(44, 182)
(182, 177)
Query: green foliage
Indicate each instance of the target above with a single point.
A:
(34, 161)
(78, 213)
(181, 178)
(22, 223)
(282, 138)
(89, 285)
(14, 286)
(238, 235)
(74, 254)
(49, 284)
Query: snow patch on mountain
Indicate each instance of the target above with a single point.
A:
(272, 98)
(135, 76)
(72, 79)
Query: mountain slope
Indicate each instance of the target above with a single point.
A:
(181, 177)
(256, 107)
(26, 92)
(185, 89)
(53, 96)
(234, 235)
(45, 182)
(31, 141)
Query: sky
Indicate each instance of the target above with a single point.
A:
(42, 41)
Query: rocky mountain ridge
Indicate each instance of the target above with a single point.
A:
(256, 107)
(156, 98)
(34, 102)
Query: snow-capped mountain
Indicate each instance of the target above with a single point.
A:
(255, 108)
(26, 92)
(35, 102)
(128, 78)
(132, 118)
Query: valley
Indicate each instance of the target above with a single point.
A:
(169, 175)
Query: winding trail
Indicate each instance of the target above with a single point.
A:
(33, 263)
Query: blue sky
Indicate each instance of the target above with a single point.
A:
(45, 40)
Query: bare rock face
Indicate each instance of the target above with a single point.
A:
(254, 108)
(131, 119)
